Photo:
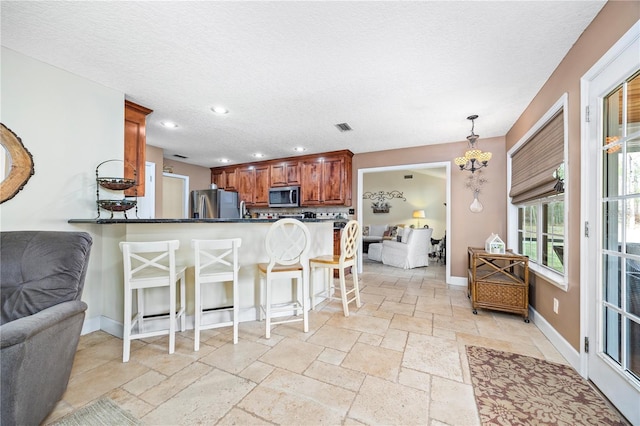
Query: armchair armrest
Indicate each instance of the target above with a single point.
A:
(18, 331)
(36, 360)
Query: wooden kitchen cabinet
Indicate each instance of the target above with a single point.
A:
(326, 181)
(253, 185)
(225, 178)
(219, 178)
(498, 281)
(261, 188)
(135, 146)
(246, 181)
(285, 173)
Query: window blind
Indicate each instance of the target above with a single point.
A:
(532, 165)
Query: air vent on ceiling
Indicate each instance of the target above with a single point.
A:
(408, 176)
(344, 127)
(179, 156)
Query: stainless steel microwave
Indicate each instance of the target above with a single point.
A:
(286, 196)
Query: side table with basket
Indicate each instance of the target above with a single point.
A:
(498, 281)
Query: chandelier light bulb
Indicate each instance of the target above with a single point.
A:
(460, 161)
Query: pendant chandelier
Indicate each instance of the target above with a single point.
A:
(474, 158)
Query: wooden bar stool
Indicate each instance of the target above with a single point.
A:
(150, 265)
(216, 261)
(349, 243)
(287, 244)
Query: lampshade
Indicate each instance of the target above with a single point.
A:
(419, 214)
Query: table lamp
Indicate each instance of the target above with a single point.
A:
(419, 214)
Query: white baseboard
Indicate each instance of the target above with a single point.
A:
(559, 342)
(90, 325)
(460, 281)
(114, 327)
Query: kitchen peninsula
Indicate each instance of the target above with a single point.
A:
(251, 231)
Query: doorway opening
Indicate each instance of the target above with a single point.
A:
(422, 168)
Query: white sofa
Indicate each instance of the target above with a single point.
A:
(412, 252)
(372, 234)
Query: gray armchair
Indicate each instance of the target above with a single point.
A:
(41, 282)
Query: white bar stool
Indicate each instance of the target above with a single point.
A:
(287, 244)
(349, 243)
(216, 261)
(149, 265)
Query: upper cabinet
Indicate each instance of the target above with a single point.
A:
(324, 179)
(253, 185)
(285, 173)
(225, 178)
(135, 141)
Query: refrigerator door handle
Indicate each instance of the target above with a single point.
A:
(201, 206)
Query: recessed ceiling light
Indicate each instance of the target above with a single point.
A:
(258, 155)
(300, 149)
(224, 160)
(219, 110)
(169, 124)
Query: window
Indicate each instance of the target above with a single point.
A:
(537, 213)
(541, 232)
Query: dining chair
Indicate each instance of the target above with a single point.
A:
(349, 243)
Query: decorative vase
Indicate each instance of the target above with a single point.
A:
(476, 206)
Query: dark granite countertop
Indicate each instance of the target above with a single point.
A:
(103, 221)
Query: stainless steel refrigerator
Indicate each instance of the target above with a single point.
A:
(214, 203)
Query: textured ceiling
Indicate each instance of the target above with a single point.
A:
(399, 73)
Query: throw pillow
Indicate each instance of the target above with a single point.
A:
(393, 232)
(365, 231)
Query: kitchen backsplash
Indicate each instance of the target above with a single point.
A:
(336, 212)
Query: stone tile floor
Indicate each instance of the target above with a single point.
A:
(400, 359)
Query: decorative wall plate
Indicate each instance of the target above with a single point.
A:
(19, 164)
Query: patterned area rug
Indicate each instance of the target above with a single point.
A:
(513, 389)
(103, 412)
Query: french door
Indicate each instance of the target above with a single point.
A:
(611, 261)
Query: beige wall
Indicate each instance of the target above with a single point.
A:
(611, 23)
(467, 228)
(199, 177)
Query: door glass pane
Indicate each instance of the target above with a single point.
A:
(611, 279)
(633, 348)
(611, 320)
(612, 173)
(632, 221)
(612, 225)
(633, 166)
(613, 116)
(633, 286)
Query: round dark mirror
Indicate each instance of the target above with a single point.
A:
(16, 164)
